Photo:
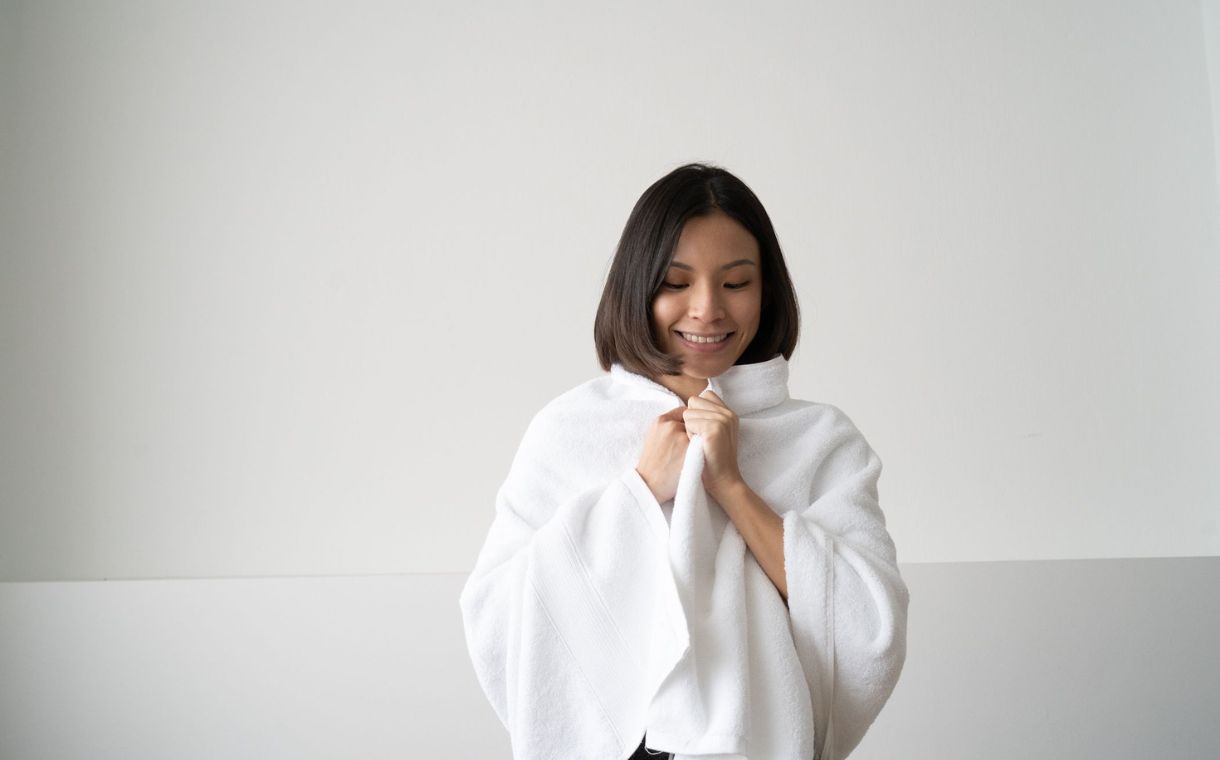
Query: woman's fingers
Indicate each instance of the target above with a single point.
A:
(674, 414)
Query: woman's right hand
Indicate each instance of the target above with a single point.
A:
(664, 451)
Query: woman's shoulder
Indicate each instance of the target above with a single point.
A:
(827, 429)
(821, 414)
(580, 430)
(580, 403)
(591, 392)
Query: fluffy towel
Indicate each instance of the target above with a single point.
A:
(595, 615)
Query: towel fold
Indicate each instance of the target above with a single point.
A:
(592, 620)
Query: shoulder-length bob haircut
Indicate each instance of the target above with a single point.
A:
(623, 330)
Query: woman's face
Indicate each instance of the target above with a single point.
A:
(713, 287)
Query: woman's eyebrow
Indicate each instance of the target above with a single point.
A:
(729, 265)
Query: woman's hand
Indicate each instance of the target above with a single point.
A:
(664, 451)
(707, 415)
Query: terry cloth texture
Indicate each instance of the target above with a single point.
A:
(595, 615)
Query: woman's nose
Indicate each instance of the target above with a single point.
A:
(705, 304)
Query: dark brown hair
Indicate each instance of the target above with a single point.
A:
(623, 330)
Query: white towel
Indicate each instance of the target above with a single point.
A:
(592, 621)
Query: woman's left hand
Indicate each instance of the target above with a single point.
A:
(707, 415)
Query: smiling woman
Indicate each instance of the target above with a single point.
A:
(674, 538)
(698, 255)
(707, 310)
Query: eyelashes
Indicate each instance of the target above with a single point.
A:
(729, 285)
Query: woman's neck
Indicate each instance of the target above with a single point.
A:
(684, 386)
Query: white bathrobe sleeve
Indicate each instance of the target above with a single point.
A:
(566, 577)
(846, 598)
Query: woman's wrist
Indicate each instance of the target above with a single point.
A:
(640, 471)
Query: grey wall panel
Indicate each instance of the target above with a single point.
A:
(1088, 660)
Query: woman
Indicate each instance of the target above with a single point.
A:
(684, 561)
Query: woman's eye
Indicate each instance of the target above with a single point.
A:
(729, 285)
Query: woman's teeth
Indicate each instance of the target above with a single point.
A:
(698, 339)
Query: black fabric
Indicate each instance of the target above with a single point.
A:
(642, 753)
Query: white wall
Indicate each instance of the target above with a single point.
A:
(256, 250)
(1211, 43)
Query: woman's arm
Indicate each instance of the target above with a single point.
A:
(761, 527)
(569, 613)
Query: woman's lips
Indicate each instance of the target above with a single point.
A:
(705, 348)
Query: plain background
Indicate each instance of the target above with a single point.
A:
(282, 283)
